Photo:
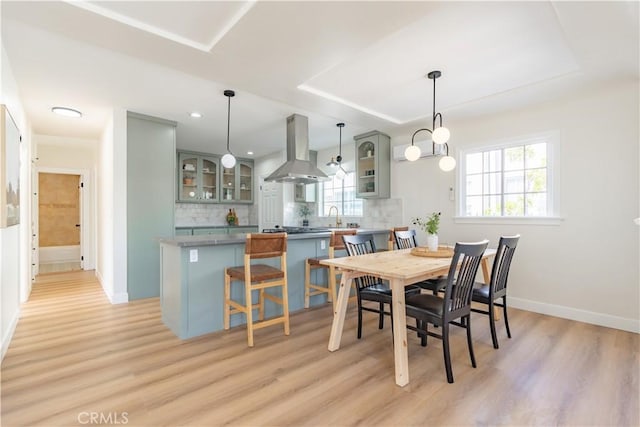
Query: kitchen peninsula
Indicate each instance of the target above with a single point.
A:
(192, 277)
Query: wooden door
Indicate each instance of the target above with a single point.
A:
(59, 209)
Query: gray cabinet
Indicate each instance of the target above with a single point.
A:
(199, 231)
(198, 177)
(237, 183)
(373, 163)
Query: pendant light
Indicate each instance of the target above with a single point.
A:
(333, 162)
(439, 135)
(340, 173)
(228, 160)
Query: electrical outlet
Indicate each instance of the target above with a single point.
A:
(323, 244)
(193, 255)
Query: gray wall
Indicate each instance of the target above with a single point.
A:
(151, 160)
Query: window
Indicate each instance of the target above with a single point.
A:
(508, 180)
(341, 194)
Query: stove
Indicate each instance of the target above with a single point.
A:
(296, 230)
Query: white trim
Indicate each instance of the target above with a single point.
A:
(552, 139)
(600, 319)
(8, 336)
(86, 244)
(517, 220)
(119, 298)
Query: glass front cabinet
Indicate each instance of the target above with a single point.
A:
(373, 163)
(198, 178)
(203, 179)
(237, 182)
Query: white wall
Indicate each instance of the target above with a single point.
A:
(585, 268)
(80, 156)
(15, 259)
(111, 265)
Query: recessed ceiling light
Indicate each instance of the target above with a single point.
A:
(196, 115)
(250, 153)
(64, 111)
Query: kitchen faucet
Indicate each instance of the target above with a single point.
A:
(338, 221)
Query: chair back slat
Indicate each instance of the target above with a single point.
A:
(361, 244)
(502, 263)
(265, 245)
(406, 239)
(465, 262)
(392, 235)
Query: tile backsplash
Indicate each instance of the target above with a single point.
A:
(189, 214)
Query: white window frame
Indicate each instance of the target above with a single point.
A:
(552, 139)
(321, 202)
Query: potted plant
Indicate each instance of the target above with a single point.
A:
(430, 226)
(304, 212)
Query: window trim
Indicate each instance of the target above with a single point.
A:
(321, 202)
(552, 138)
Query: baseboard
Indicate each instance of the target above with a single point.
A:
(6, 339)
(120, 298)
(600, 319)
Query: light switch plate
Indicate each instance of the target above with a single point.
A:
(323, 244)
(193, 255)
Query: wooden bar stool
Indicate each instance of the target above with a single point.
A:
(310, 289)
(259, 277)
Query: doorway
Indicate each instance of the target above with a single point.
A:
(59, 225)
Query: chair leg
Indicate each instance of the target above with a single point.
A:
(248, 303)
(227, 297)
(446, 352)
(381, 316)
(467, 323)
(506, 319)
(359, 318)
(285, 307)
(307, 281)
(261, 306)
(492, 325)
(423, 326)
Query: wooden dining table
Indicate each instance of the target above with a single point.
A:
(400, 268)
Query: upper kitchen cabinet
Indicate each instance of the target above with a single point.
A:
(373, 162)
(198, 177)
(237, 182)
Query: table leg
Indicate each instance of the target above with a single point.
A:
(340, 310)
(400, 354)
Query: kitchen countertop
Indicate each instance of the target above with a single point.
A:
(235, 238)
(213, 226)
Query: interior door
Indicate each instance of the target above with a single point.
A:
(271, 211)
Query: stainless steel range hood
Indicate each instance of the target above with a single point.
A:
(297, 169)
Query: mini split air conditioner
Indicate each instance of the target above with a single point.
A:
(426, 150)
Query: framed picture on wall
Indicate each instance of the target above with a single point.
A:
(10, 170)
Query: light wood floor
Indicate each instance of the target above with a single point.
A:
(74, 354)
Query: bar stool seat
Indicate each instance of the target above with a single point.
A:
(260, 278)
(310, 288)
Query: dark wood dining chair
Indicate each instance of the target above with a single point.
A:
(497, 288)
(371, 288)
(456, 303)
(407, 239)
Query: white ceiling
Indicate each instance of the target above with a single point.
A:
(167, 59)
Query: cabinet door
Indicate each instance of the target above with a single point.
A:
(209, 179)
(237, 183)
(373, 158)
(201, 231)
(245, 182)
(188, 166)
(228, 184)
(367, 167)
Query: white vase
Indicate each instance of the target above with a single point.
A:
(432, 242)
